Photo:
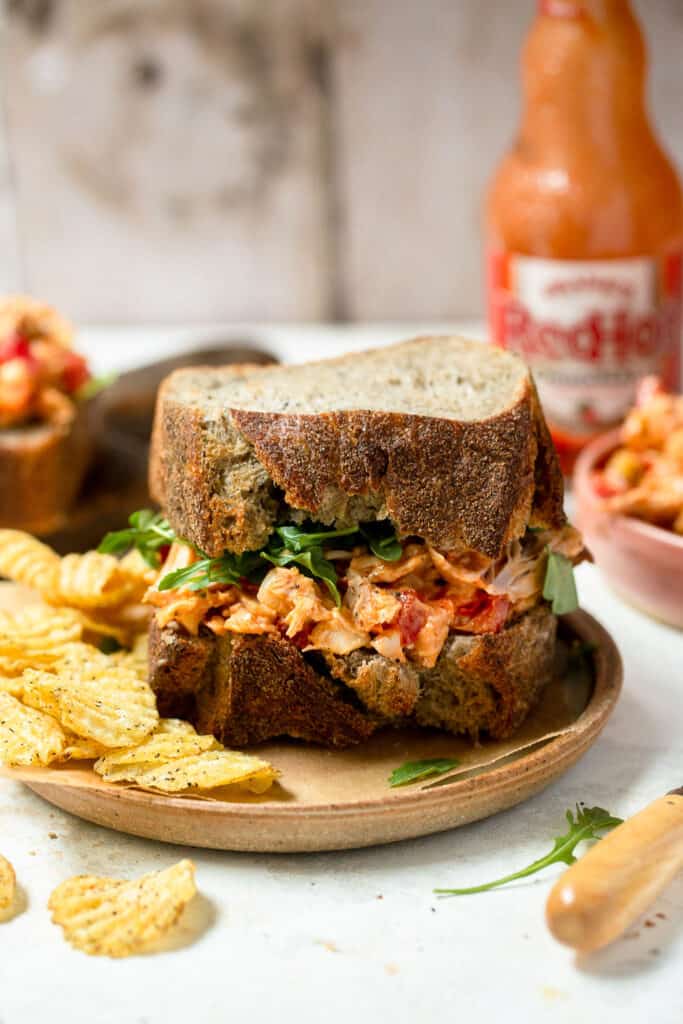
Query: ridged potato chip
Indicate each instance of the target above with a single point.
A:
(37, 627)
(136, 658)
(14, 685)
(34, 636)
(138, 572)
(92, 580)
(210, 769)
(28, 736)
(79, 749)
(175, 725)
(108, 704)
(8, 886)
(123, 622)
(23, 559)
(108, 917)
(128, 763)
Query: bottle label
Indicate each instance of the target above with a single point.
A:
(590, 330)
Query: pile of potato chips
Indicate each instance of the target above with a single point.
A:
(63, 699)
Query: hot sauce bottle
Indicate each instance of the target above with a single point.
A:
(584, 221)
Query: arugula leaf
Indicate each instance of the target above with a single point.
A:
(416, 771)
(230, 570)
(312, 561)
(289, 545)
(296, 539)
(559, 586)
(588, 822)
(382, 540)
(93, 386)
(148, 532)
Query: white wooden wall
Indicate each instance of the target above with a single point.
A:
(265, 159)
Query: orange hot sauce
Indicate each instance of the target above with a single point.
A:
(584, 224)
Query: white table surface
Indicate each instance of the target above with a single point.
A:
(359, 936)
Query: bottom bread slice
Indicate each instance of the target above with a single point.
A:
(245, 689)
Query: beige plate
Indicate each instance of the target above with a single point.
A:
(331, 800)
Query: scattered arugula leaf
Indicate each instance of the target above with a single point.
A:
(148, 532)
(588, 822)
(559, 586)
(416, 771)
(94, 386)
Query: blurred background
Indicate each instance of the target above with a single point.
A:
(177, 160)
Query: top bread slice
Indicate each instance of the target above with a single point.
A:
(443, 436)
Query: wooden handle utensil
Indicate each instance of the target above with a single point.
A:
(600, 895)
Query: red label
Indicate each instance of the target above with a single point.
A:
(589, 329)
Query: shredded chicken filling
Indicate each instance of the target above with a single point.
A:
(404, 609)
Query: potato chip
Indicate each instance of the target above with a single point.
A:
(175, 725)
(105, 703)
(14, 685)
(127, 763)
(8, 886)
(92, 580)
(136, 658)
(123, 622)
(207, 770)
(34, 636)
(136, 570)
(28, 736)
(79, 749)
(23, 559)
(96, 626)
(108, 917)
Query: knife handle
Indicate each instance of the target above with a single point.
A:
(600, 895)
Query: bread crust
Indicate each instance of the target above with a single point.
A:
(457, 484)
(41, 470)
(246, 689)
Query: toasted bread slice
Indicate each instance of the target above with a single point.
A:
(443, 436)
(245, 689)
(41, 469)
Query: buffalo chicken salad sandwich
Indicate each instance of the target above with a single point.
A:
(361, 542)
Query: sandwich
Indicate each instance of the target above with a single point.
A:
(371, 541)
(45, 428)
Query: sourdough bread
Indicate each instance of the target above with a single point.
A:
(443, 436)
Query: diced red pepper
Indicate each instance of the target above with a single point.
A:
(15, 347)
(75, 373)
(485, 613)
(299, 639)
(411, 617)
(602, 486)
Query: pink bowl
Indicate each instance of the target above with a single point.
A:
(643, 563)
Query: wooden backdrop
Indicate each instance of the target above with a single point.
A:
(267, 159)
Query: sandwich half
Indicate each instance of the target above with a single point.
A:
(355, 543)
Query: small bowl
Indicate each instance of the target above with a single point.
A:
(643, 563)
